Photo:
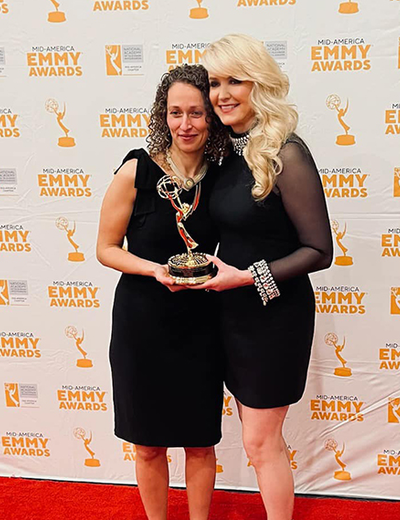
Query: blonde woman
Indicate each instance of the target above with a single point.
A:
(269, 206)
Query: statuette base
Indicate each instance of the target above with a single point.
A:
(56, 17)
(92, 463)
(191, 269)
(345, 140)
(348, 8)
(342, 475)
(344, 260)
(76, 257)
(84, 363)
(343, 371)
(66, 142)
(198, 13)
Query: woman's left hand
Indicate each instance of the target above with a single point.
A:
(228, 277)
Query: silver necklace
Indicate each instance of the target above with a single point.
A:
(187, 182)
(239, 143)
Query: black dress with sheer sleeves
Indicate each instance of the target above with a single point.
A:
(164, 353)
(267, 348)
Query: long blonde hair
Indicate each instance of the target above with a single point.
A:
(245, 58)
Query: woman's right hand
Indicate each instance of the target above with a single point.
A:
(162, 276)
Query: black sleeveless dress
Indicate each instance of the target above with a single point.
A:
(267, 348)
(164, 352)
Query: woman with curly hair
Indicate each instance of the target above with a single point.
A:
(164, 353)
(269, 206)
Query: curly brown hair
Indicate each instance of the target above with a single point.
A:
(159, 138)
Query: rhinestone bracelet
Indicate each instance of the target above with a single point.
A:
(264, 281)
(259, 286)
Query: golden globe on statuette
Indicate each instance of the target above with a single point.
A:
(186, 268)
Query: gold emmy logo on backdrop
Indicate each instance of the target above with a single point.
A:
(4, 296)
(113, 60)
(72, 333)
(348, 7)
(331, 340)
(198, 12)
(80, 434)
(343, 259)
(333, 103)
(396, 183)
(56, 16)
(62, 224)
(395, 300)
(52, 107)
(12, 395)
(219, 468)
(331, 445)
(394, 410)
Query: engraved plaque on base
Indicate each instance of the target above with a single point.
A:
(190, 270)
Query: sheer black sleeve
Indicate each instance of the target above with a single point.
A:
(303, 198)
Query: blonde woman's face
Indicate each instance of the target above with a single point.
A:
(186, 117)
(230, 98)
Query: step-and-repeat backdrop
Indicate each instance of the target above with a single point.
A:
(77, 78)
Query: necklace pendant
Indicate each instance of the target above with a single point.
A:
(189, 183)
(186, 182)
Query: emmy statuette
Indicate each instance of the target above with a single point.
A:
(79, 433)
(342, 259)
(186, 268)
(63, 224)
(342, 474)
(72, 333)
(333, 102)
(53, 108)
(332, 340)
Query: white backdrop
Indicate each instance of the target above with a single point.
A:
(76, 83)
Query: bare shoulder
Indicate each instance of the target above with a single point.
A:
(122, 187)
(127, 172)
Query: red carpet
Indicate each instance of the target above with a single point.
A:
(22, 499)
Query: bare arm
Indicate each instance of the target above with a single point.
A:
(115, 214)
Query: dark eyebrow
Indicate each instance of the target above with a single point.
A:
(191, 108)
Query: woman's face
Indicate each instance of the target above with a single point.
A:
(186, 117)
(231, 101)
